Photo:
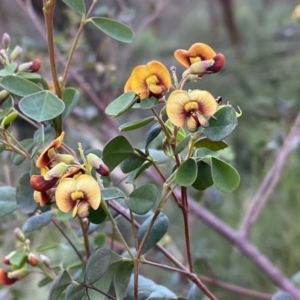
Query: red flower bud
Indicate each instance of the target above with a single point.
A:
(4, 279)
(35, 66)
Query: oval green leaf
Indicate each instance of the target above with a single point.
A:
(59, 284)
(122, 277)
(182, 144)
(97, 265)
(204, 178)
(212, 145)
(37, 221)
(24, 195)
(41, 106)
(148, 103)
(120, 105)
(225, 177)
(186, 173)
(159, 229)
(116, 150)
(112, 193)
(131, 163)
(135, 124)
(76, 5)
(114, 29)
(141, 200)
(19, 86)
(152, 133)
(9, 70)
(75, 292)
(222, 124)
(71, 98)
(8, 202)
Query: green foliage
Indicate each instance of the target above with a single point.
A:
(59, 284)
(37, 222)
(41, 106)
(7, 200)
(204, 177)
(141, 200)
(19, 86)
(114, 29)
(158, 230)
(132, 125)
(116, 150)
(97, 265)
(76, 5)
(70, 98)
(186, 173)
(120, 105)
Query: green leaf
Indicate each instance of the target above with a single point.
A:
(19, 258)
(152, 133)
(19, 86)
(9, 70)
(74, 292)
(182, 144)
(44, 281)
(204, 177)
(59, 284)
(225, 177)
(186, 173)
(41, 106)
(120, 105)
(131, 163)
(97, 216)
(204, 152)
(116, 150)
(158, 230)
(71, 98)
(282, 296)
(114, 29)
(24, 195)
(158, 156)
(180, 134)
(76, 5)
(4, 113)
(213, 146)
(141, 200)
(221, 125)
(97, 265)
(30, 76)
(135, 124)
(148, 103)
(8, 202)
(37, 221)
(112, 193)
(122, 278)
(17, 159)
(46, 247)
(136, 173)
(38, 140)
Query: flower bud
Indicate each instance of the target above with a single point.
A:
(35, 65)
(5, 41)
(167, 148)
(6, 259)
(198, 68)
(18, 274)
(4, 279)
(16, 53)
(45, 260)
(19, 235)
(4, 94)
(57, 171)
(97, 163)
(66, 158)
(24, 67)
(42, 183)
(33, 260)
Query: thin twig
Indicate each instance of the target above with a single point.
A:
(85, 233)
(69, 241)
(271, 179)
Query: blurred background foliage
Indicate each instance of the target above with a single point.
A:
(261, 76)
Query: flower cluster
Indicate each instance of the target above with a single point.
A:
(192, 107)
(64, 181)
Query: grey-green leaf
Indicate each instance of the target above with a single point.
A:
(19, 86)
(114, 29)
(41, 106)
(74, 292)
(158, 230)
(59, 284)
(122, 277)
(142, 199)
(120, 105)
(8, 202)
(76, 5)
(71, 98)
(186, 173)
(97, 265)
(37, 221)
(225, 177)
(112, 193)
